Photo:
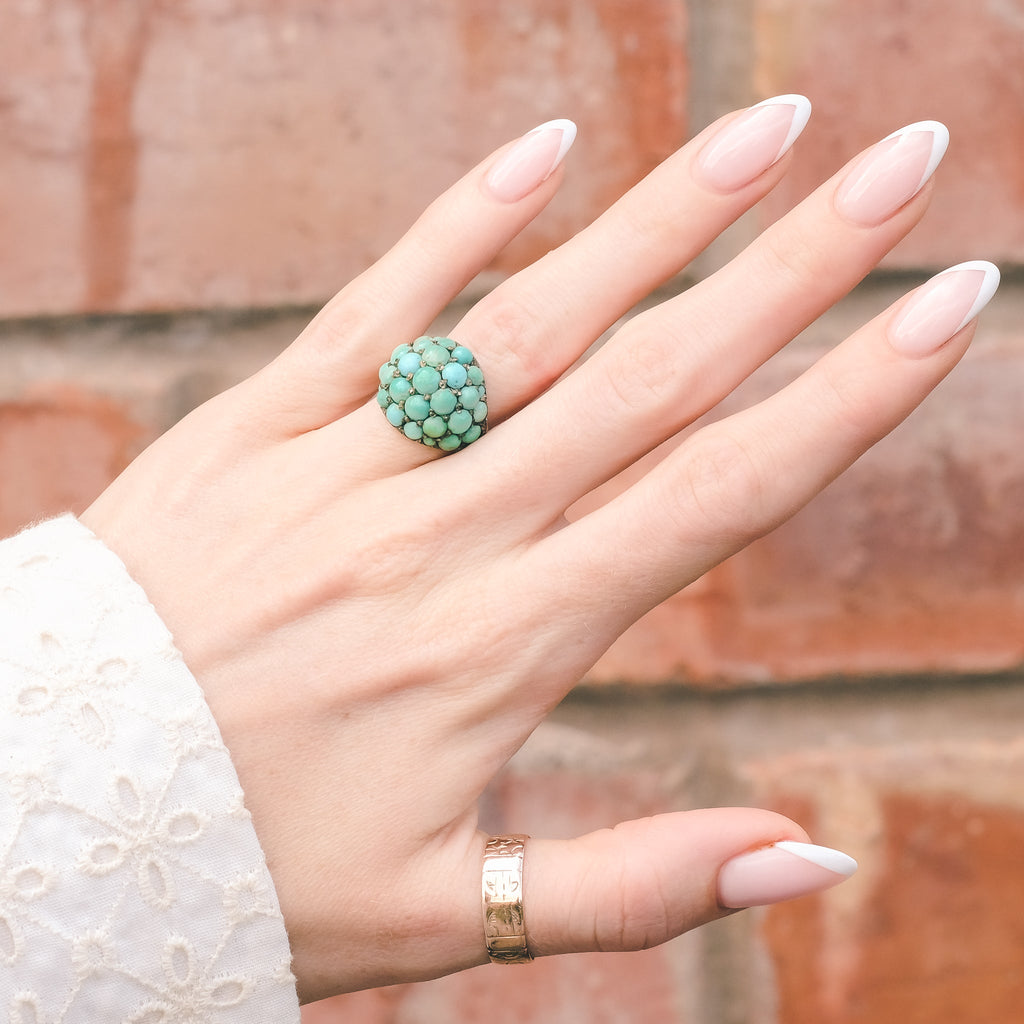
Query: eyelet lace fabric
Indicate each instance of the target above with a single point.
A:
(132, 884)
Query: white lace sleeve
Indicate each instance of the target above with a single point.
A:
(132, 884)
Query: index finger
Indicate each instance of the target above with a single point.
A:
(332, 366)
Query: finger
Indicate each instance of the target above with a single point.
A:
(533, 327)
(645, 882)
(673, 363)
(536, 325)
(332, 366)
(738, 478)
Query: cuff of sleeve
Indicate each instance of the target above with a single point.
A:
(133, 883)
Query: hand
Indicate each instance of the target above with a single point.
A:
(378, 629)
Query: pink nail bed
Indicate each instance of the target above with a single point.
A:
(780, 872)
(942, 307)
(748, 145)
(891, 173)
(531, 160)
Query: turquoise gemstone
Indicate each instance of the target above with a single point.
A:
(459, 422)
(408, 363)
(399, 389)
(426, 380)
(454, 374)
(435, 355)
(417, 407)
(443, 402)
(434, 426)
(433, 391)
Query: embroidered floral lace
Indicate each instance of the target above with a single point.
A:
(132, 884)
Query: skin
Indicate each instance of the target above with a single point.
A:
(377, 629)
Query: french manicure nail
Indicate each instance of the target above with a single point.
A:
(779, 872)
(531, 160)
(892, 172)
(748, 145)
(942, 307)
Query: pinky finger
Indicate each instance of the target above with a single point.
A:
(739, 478)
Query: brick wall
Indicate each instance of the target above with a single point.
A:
(181, 183)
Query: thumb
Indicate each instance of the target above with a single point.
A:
(647, 881)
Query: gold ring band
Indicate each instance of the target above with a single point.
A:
(504, 924)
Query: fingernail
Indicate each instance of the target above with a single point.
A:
(748, 145)
(891, 173)
(942, 307)
(531, 160)
(781, 872)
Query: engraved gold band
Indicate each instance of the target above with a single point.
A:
(504, 924)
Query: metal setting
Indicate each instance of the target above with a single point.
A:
(432, 390)
(504, 924)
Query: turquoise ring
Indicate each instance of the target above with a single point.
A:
(433, 392)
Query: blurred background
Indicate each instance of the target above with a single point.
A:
(183, 182)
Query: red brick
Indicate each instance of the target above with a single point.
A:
(375, 1006)
(911, 562)
(58, 451)
(940, 939)
(237, 154)
(929, 929)
(582, 989)
(871, 66)
(79, 398)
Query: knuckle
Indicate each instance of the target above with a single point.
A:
(631, 911)
(648, 222)
(847, 392)
(346, 323)
(638, 917)
(639, 371)
(642, 921)
(794, 256)
(514, 339)
(725, 489)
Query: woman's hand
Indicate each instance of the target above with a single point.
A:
(378, 629)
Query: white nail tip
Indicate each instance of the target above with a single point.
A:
(989, 284)
(823, 856)
(940, 143)
(801, 115)
(568, 130)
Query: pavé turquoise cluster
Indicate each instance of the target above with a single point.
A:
(433, 391)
